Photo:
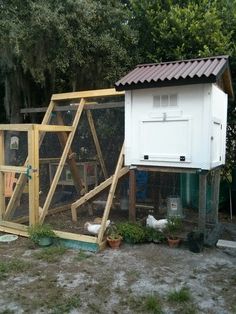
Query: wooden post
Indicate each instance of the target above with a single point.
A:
(132, 195)
(202, 201)
(63, 137)
(62, 162)
(2, 176)
(33, 159)
(215, 195)
(111, 195)
(96, 142)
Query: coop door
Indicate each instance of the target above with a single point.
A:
(216, 143)
(166, 140)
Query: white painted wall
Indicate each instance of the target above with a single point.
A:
(166, 134)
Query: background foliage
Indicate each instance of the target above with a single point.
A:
(63, 45)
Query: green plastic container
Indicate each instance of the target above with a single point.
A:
(189, 191)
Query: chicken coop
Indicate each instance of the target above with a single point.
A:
(176, 113)
(175, 121)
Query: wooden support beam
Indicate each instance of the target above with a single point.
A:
(73, 107)
(98, 189)
(202, 201)
(62, 162)
(16, 169)
(87, 94)
(76, 237)
(215, 195)
(111, 195)
(33, 157)
(55, 128)
(2, 177)
(16, 127)
(132, 195)
(63, 137)
(96, 142)
(166, 169)
(19, 188)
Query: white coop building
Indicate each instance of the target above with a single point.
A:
(176, 120)
(176, 113)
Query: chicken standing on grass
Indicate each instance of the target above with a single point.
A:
(94, 228)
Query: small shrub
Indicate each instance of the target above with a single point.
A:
(131, 232)
(40, 231)
(180, 296)
(153, 235)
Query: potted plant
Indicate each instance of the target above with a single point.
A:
(132, 233)
(42, 235)
(113, 236)
(172, 230)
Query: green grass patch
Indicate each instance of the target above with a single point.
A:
(81, 256)
(152, 305)
(180, 296)
(13, 267)
(50, 254)
(67, 305)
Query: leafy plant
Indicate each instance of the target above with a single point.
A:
(153, 235)
(131, 232)
(174, 226)
(38, 231)
(113, 232)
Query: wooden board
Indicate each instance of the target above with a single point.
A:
(2, 176)
(62, 162)
(226, 244)
(97, 144)
(73, 107)
(98, 189)
(63, 137)
(87, 94)
(111, 195)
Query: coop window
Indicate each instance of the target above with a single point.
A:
(164, 101)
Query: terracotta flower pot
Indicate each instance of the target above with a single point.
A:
(114, 243)
(173, 243)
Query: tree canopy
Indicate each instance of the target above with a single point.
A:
(63, 45)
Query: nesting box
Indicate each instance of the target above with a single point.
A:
(176, 113)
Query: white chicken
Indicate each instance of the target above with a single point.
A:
(156, 224)
(94, 228)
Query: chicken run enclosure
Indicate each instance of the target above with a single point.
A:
(45, 170)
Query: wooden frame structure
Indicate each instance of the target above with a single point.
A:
(36, 133)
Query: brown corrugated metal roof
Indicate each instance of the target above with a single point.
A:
(191, 71)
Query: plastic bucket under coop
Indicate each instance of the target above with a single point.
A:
(174, 207)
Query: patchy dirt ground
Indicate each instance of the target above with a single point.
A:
(134, 279)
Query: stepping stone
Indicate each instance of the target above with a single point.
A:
(226, 244)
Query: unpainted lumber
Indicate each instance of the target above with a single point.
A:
(98, 189)
(97, 144)
(111, 195)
